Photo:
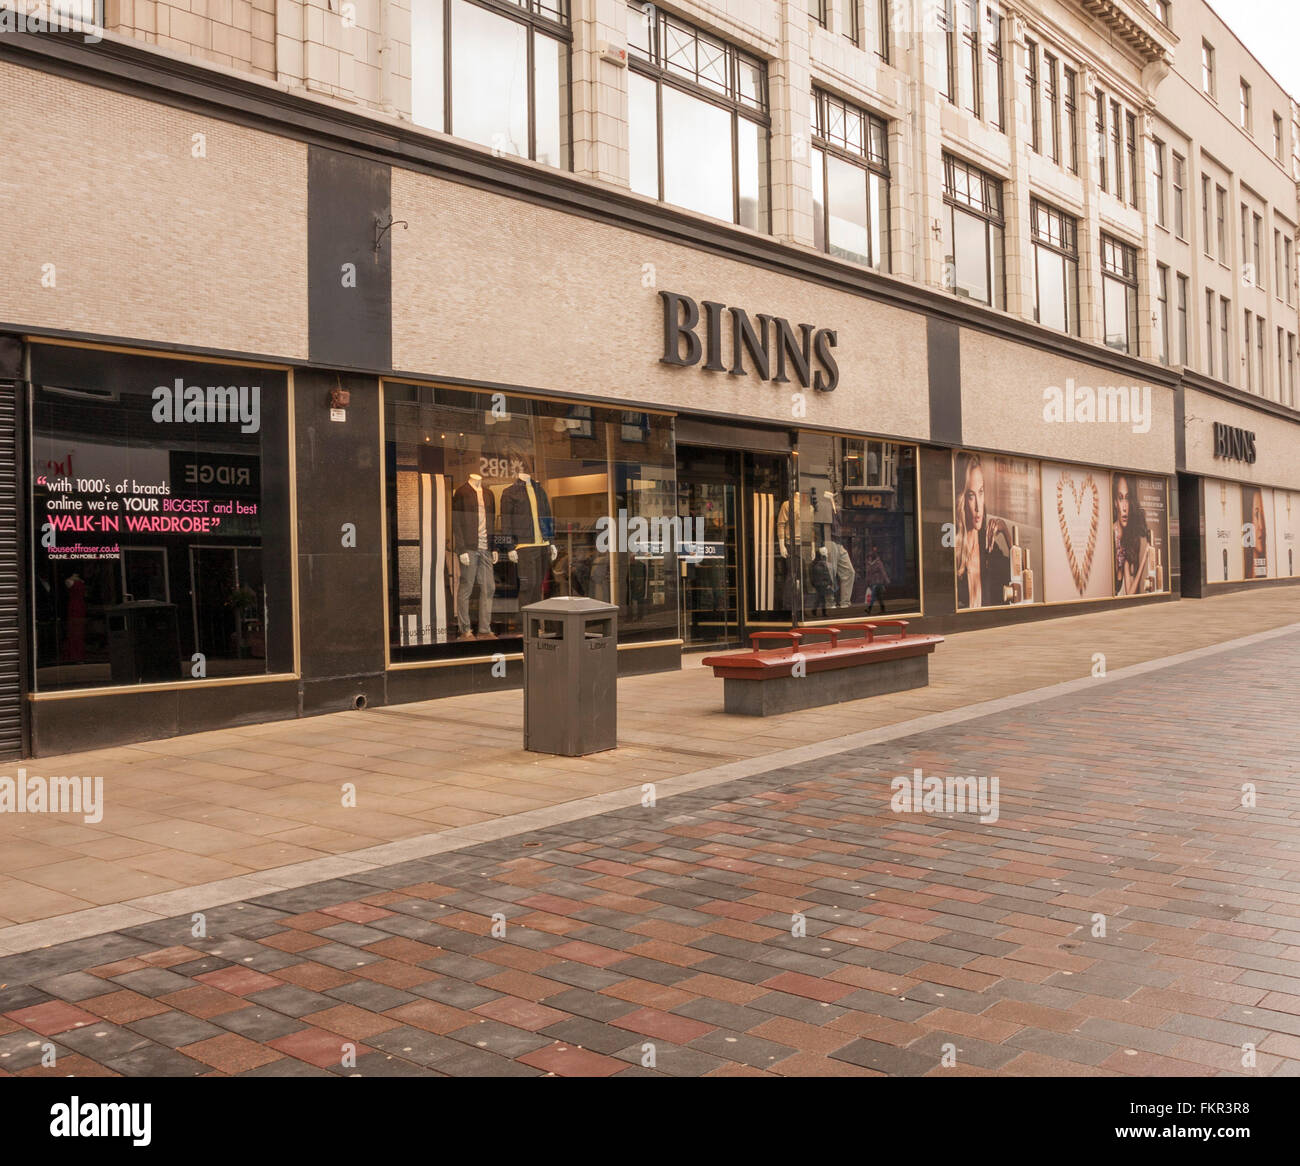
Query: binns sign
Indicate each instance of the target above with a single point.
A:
(770, 345)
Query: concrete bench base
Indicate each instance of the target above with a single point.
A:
(785, 694)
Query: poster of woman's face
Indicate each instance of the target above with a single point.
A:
(1285, 537)
(998, 530)
(1076, 542)
(1256, 514)
(1139, 534)
(1223, 551)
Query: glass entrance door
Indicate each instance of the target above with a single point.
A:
(707, 557)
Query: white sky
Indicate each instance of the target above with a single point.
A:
(1270, 29)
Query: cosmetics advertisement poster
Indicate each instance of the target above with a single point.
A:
(1076, 535)
(1224, 560)
(1139, 539)
(997, 507)
(1285, 551)
(1256, 532)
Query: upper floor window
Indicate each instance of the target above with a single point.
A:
(1164, 12)
(697, 120)
(1178, 180)
(1071, 117)
(1277, 137)
(494, 76)
(873, 33)
(1035, 102)
(850, 174)
(1158, 169)
(972, 233)
(1056, 267)
(1245, 114)
(971, 32)
(1119, 294)
(1131, 156)
(1051, 89)
(1221, 222)
(1207, 68)
(817, 10)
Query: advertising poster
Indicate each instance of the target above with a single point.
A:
(1223, 551)
(1286, 529)
(1257, 549)
(1139, 534)
(1076, 545)
(998, 536)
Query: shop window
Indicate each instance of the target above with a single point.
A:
(496, 76)
(1119, 294)
(160, 524)
(850, 174)
(1056, 267)
(496, 502)
(852, 527)
(697, 120)
(973, 233)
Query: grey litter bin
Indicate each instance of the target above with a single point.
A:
(570, 676)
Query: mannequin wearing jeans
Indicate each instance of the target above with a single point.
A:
(473, 519)
(527, 524)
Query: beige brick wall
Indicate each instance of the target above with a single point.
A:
(239, 34)
(1003, 383)
(142, 238)
(492, 289)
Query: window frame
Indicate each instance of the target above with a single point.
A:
(1070, 103)
(1184, 339)
(992, 217)
(758, 111)
(1067, 230)
(1158, 156)
(1178, 183)
(1246, 113)
(869, 163)
(1209, 80)
(533, 15)
(1032, 84)
(1119, 264)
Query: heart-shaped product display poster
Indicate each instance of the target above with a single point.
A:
(1076, 520)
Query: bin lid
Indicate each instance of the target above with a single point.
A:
(559, 605)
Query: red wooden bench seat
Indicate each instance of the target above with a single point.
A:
(799, 659)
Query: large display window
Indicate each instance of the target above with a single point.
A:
(854, 522)
(1026, 531)
(1250, 532)
(159, 520)
(497, 501)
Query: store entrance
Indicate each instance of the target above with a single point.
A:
(707, 482)
(743, 575)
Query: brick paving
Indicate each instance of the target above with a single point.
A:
(223, 808)
(662, 940)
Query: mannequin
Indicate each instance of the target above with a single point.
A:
(826, 519)
(527, 524)
(473, 521)
(789, 524)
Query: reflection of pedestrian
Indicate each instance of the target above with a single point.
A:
(1132, 540)
(74, 636)
(877, 579)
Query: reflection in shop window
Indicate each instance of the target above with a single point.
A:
(853, 520)
(497, 502)
(159, 520)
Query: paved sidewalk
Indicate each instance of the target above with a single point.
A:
(662, 939)
(216, 810)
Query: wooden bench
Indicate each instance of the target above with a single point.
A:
(852, 661)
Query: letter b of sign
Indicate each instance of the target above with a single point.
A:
(681, 315)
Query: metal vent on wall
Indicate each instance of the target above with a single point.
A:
(11, 699)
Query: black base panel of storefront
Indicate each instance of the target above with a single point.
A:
(72, 724)
(1209, 590)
